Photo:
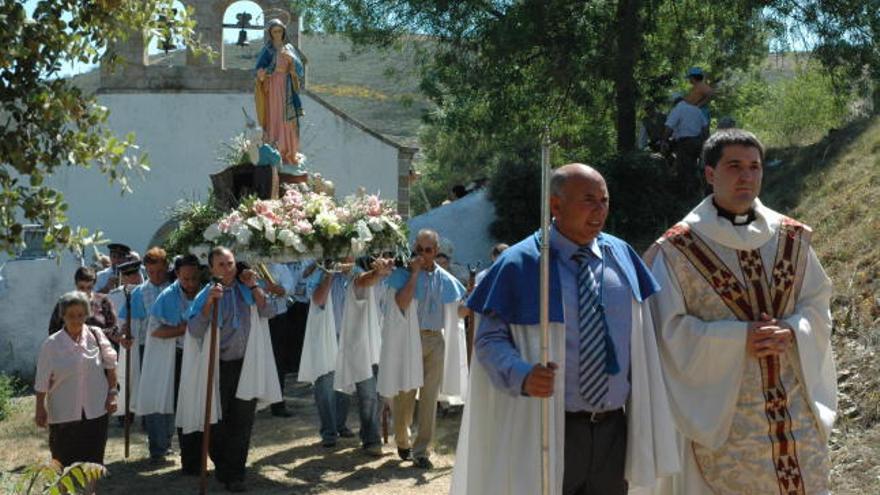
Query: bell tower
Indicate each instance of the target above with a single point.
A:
(198, 73)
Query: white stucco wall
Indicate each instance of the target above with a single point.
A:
(28, 293)
(464, 223)
(182, 134)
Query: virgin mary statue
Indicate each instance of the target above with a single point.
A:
(280, 75)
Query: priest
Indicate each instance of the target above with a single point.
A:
(610, 426)
(744, 328)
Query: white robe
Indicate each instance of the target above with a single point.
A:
(259, 376)
(123, 356)
(704, 361)
(455, 365)
(320, 345)
(192, 393)
(401, 353)
(359, 340)
(156, 389)
(499, 443)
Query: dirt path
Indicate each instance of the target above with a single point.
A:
(285, 457)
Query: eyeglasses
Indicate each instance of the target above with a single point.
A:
(422, 249)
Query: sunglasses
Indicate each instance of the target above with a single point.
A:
(421, 249)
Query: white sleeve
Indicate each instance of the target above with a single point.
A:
(703, 361)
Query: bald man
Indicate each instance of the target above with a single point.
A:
(609, 413)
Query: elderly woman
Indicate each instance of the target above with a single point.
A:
(76, 385)
(101, 315)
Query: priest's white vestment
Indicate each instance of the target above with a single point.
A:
(747, 425)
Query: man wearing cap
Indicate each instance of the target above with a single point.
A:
(686, 127)
(108, 278)
(142, 298)
(701, 92)
(130, 276)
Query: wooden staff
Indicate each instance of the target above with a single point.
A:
(469, 321)
(545, 305)
(206, 436)
(127, 336)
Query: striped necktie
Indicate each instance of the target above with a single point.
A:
(592, 376)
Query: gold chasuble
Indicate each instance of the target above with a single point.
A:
(765, 437)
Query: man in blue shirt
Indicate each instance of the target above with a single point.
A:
(237, 295)
(433, 288)
(597, 288)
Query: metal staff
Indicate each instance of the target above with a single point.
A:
(206, 436)
(545, 305)
(127, 336)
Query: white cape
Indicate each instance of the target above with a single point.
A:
(401, 353)
(259, 377)
(156, 389)
(319, 344)
(499, 443)
(455, 365)
(193, 383)
(123, 356)
(359, 340)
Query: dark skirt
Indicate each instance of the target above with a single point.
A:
(79, 441)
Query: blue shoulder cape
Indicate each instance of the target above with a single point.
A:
(202, 297)
(138, 311)
(451, 289)
(171, 306)
(509, 290)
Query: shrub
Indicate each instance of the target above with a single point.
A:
(9, 387)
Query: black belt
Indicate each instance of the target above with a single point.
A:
(594, 417)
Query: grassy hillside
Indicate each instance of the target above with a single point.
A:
(834, 186)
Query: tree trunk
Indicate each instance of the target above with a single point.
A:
(628, 36)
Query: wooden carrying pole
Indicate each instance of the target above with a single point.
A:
(209, 397)
(127, 335)
(545, 306)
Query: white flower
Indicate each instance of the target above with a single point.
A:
(363, 231)
(212, 232)
(269, 231)
(242, 234)
(375, 224)
(289, 239)
(255, 222)
(357, 246)
(200, 251)
(329, 223)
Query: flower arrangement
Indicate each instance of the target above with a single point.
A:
(308, 223)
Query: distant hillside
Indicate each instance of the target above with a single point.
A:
(834, 186)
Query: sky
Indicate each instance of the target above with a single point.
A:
(229, 35)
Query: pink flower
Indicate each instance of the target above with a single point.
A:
(374, 206)
(303, 227)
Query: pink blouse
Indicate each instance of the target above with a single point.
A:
(71, 374)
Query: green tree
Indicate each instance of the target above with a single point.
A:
(46, 122)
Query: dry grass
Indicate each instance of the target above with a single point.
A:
(834, 186)
(285, 458)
